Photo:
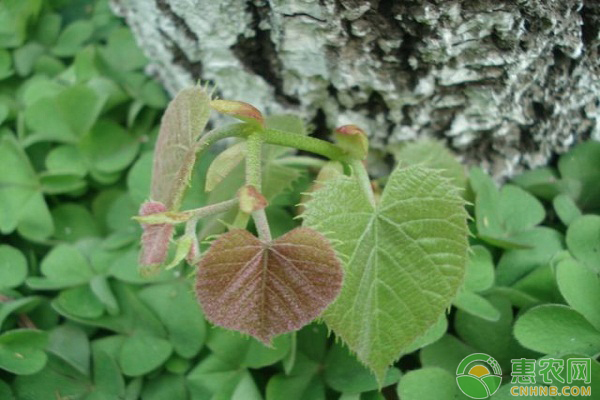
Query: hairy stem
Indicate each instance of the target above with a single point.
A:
(185, 173)
(253, 161)
(306, 143)
(262, 225)
(254, 178)
(235, 130)
(176, 217)
(363, 179)
(302, 161)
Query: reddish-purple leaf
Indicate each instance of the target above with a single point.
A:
(182, 124)
(155, 237)
(265, 289)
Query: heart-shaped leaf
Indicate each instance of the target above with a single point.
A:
(502, 214)
(22, 351)
(583, 240)
(265, 289)
(13, 267)
(175, 154)
(432, 154)
(580, 166)
(557, 329)
(405, 259)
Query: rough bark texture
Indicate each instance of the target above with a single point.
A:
(508, 84)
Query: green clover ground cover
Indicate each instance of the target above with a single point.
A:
(78, 121)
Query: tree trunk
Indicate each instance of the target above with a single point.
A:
(508, 84)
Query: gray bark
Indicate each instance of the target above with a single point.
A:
(508, 84)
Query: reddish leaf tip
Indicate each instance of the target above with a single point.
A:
(353, 140)
(239, 109)
(350, 130)
(251, 199)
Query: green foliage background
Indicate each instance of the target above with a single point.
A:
(78, 119)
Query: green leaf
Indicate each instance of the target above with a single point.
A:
(142, 353)
(48, 28)
(542, 182)
(122, 52)
(502, 214)
(6, 392)
(35, 223)
(58, 379)
(541, 284)
(182, 124)
(429, 384)
(64, 266)
(566, 209)
(48, 65)
(138, 179)
(13, 267)
(22, 351)
(108, 380)
(344, 373)
(406, 254)
(15, 16)
(175, 305)
(71, 39)
(6, 69)
(108, 147)
(432, 335)
(312, 341)
(287, 123)
(581, 288)
(244, 351)
(432, 154)
(223, 164)
(286, 283)
(26, 56)
(65, 117)
(66, 159)
(581, 165)
(165, 387)
(84, 64)
(153, 94)
(80, 302)
(59, 183)
(125, 268)
(514, 264)
(476, 305)
(19, 305)
(71, 344)
(216, 379)
(74, 222)
(134, 317)
(480, 270)
(491, 337)
(38, 87)
(446, 353)
(18, 183)
(557, 329)
(583, 241)
(303, 382)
